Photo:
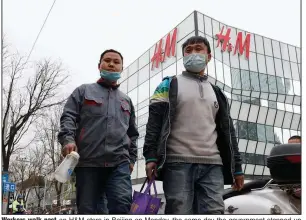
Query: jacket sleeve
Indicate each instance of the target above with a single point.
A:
(237, 156)
(133, 134)
(70, 117)
(15, 204)
(157, 108)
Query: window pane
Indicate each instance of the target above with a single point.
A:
(261, 63)
(208, 26)
(249, 169)
(252, 132)
(261, 132)
(295, 121)
(123, 87)
(143, 93)
(272, 84)
(242, 144)
(286, 135)
(276, 49)
(278, 135)
(236, 78)
(211, 43)
(298, 54)
(262, 115)
(253, 113)
(133, 68)
(227, 75)
(143, 119)
(244, 111)
(284, 50)
(271, 116)
(211, 68)
(243, 129)
(132, 81)
(201, 22)
(154, 82)
(297, 88)
(287, 119)
(252, 42)
(235, 106)
(219, 71)
(280, 85)
(170, 71)
(144, 59)
(292, 53)
(278, 67)
(235, 61)
(259, 44)
(270, 65)
(261, 145)
(263, 78)
(270, 134)
(295, 71)
(289, 86)
(245, 80)
(216, 27)
(185, 27)
(226, 58)
(144, 74)
(268, 46)
(244, 63)
(254, 81)
(133, 95)
(258, 168)
(252, 145)
(279, 118)
(287, 71)
(253, 62)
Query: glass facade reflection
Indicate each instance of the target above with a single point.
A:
(264, 91)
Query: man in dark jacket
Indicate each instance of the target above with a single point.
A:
(99, 122)
(190, 141)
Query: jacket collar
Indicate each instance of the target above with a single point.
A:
(107, 84)
(194, 76)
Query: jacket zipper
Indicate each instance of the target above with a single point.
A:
(200, 88)
(109, 91)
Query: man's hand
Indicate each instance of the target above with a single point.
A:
(151, 169)
(131, 167)
(68, 148)
(239, 182)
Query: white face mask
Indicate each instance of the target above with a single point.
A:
(195, 62)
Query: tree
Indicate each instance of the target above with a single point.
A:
(26, 97)
(48, 129)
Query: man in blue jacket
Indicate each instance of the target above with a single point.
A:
(99, 122)
(190, 140)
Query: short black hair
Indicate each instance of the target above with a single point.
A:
(295, 137)
(196, 40)
(108, 51)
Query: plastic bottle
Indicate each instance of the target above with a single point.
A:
(65, 169)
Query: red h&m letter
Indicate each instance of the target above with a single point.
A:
(224, 39)
(170, 45)
(243, 46)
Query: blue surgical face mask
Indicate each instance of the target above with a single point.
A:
(110, 76)
(195, 62)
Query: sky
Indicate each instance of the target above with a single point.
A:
(77, 32)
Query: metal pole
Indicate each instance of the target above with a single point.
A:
(44, 205)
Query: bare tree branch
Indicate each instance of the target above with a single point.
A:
(24, 104)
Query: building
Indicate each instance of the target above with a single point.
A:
(260, 76)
